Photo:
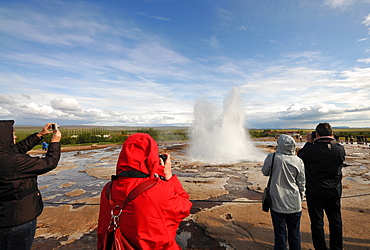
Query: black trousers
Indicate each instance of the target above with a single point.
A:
(331, 206)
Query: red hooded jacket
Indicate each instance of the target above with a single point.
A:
(151, 220)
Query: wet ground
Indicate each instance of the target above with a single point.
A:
(226, 213)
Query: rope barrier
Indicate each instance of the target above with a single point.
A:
(214, 201)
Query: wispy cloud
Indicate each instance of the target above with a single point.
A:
(339, 3)
(154, 17)
(212, 41)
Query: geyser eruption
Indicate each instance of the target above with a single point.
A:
(220, 137)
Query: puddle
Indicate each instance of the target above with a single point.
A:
(60, 185)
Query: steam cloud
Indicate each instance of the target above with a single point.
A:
(220, 137)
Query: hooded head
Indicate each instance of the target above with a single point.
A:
(286, 145)
(6, 133)
(139, 152)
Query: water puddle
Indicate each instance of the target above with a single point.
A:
(60, 186)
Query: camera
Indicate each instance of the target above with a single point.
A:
(163, 157)
(54, 126)
(313, 135)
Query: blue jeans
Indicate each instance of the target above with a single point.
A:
(281, 223)
(18, 237)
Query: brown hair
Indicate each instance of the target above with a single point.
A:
(324, 129)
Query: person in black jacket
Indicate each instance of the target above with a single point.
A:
(323, 158)
(20, 198)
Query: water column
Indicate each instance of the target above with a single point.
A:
(219, 136)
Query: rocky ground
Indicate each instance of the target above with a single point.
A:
(226, 213)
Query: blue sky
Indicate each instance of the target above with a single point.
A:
(297, 63)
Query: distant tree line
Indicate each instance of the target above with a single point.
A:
(256, 133)
(166, 135)
(102, 135)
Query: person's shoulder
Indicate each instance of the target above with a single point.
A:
(340, 147)
(306, 146)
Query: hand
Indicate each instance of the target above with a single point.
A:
(309, 137)
(168, 168)
(45, 130)
(56, 136)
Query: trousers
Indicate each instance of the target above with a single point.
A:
(281, 223)
(316, 207)
(18, 237)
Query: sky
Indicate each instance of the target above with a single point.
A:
(146, 62)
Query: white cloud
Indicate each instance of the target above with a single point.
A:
(34, 110)
(66, 104)
(367, 20)
(339, 3)
(309, 112)
(5, 99)
(27, 96)
(364, 60)
(355, 78)
(5, 113)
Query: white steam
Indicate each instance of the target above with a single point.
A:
(220, 137)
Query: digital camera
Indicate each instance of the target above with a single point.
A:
(54, 126)
(163, 157)
(313, 135)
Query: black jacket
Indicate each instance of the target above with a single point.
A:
(20, 198)
(323, 162)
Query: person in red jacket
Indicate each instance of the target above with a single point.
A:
(151, 220)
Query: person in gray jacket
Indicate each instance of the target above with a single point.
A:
(287, 190)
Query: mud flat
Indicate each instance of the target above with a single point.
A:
(226, 211)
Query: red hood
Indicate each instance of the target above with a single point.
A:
(139, 152)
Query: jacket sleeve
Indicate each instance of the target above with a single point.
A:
(302, 152)
(178, 187)
(27, 144)
(103, 219)
(172, 200)
(178, 203)
(301, 180)
(267, 165)
(27, 166)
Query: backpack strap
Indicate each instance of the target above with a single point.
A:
(272, 165)
(132, 174)
(135, 192)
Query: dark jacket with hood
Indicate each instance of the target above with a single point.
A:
(20, 198)
(323, 161)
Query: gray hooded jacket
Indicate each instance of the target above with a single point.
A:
(288, 177)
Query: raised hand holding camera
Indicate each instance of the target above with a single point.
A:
(54, 126)
(51, 128)
(167, 165)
